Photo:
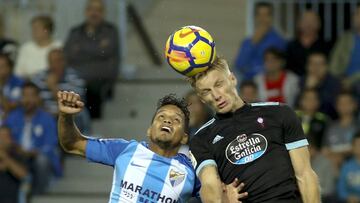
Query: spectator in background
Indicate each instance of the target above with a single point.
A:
(10, 86)
(92, 48)
(13, 168)
(337, 141)
(249, 91)
(277, 84)
(326, 172)
(349, 180)
(35, 131)
(313, 122)
(57, 77)
(307, 41)
(319, 78)
(199, 114)
(345, 57)
(32, 56)
(7, 46)
(249, 61)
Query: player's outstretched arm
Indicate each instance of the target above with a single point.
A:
(306, 178)
(70, 138)
(211, 190)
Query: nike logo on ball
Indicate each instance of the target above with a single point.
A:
(182, 35)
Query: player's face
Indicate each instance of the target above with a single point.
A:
(167, 129)
(218, 90)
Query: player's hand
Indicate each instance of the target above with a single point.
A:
(69, 102)
(234, 191)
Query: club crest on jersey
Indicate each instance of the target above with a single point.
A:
(176, 177)
(246, 148)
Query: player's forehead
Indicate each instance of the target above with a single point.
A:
(210, 79)
(171, 110)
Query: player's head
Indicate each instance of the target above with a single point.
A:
(95, 11)
(217, 87)
(170, 124)
(263, 14)
(42, 27)
(30, 97)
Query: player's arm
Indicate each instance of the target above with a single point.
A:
(70, 138)
(306, 177)
(296, 144)
(206, 169)
(211, 188)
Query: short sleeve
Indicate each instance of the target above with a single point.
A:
(105, 151)
(200, 154)
(294, 136)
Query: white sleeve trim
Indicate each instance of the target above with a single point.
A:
(296, 144)
(203, 164)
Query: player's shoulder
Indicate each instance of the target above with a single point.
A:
(184, 160)
(275, 106)
(205, 128)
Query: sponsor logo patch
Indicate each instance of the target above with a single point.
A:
(246, 148)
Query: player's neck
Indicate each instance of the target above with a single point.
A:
(163, 152)
(238, 104)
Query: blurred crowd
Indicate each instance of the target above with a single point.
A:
(319, 79)
(30, 76)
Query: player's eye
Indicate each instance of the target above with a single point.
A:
(205, 93)
(161, 117)
(177, 120)
(219, 84)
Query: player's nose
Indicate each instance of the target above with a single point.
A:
(167, 121)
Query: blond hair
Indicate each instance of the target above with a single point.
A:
(218, 64)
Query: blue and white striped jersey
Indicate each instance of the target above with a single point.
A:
(141, 175)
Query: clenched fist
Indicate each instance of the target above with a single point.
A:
(69, 102)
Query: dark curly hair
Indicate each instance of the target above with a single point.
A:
(172, 99)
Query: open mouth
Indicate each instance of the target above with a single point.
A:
(166, 129)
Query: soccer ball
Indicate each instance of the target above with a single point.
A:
(190, 50)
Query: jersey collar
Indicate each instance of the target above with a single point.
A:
(240, 110)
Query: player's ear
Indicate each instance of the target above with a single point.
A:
(185, 139)
(233, 79)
